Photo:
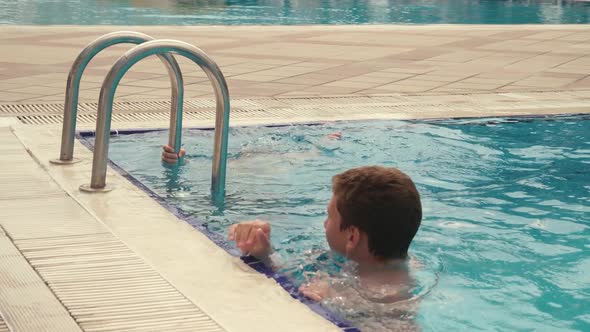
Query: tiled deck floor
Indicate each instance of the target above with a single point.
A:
(97, 279)
(310, 60)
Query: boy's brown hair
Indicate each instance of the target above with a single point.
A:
(382, 202)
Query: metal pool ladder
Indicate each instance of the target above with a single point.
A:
(105, 110)
(66, 155)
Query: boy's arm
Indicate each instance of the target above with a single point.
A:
(317, 290)
(253, 238)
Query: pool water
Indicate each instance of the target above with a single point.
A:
(292, 12)
(505, 240)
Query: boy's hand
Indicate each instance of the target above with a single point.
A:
(169, 156)
(335, 135)
(317, 290)
(252, 237)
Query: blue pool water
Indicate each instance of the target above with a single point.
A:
(289, 12)
(505, 240)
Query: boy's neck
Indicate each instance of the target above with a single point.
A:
(373, 264)
(382, 272)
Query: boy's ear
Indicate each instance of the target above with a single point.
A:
(354, 237)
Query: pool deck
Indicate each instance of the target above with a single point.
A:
(273, 61)
(119, 261)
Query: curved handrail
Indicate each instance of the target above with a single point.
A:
(105, 110)
(73, 87)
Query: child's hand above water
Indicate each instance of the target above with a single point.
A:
(252, 238)
(335, 135)
(169, 155)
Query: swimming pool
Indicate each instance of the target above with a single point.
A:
(504, 241)
(290, 12)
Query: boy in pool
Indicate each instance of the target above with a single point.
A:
(373, 216)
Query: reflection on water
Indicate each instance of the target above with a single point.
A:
(287, 12)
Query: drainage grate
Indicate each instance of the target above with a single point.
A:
(42, 119)
(106, 287)
(266, 103)
(3, 326)
(346, 100)
(31, 108)
(314, 108)
(142, 116)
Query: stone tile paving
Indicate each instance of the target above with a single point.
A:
(280, 61)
